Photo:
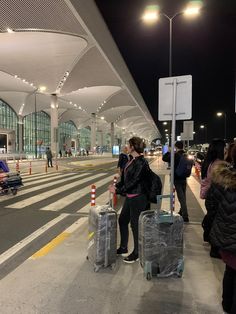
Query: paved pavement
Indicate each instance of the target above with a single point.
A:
(59, 279)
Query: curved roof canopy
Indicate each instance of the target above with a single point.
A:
(63, 47)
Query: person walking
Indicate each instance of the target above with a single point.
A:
(49, 157)
(180, 183)
(133, 185)
(223, 231)
(215, 153)
(123, 159)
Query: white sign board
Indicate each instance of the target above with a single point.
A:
(188, 130)
(183, 98)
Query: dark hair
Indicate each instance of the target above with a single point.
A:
(228, 156)
(179, 145)
(233, 154)
(137, 143)
(215, 151)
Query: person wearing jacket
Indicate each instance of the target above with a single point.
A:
(223, 231)
(179, 182)
(133, 185)
(214, 154)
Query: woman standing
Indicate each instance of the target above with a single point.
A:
(223, 231)
(133, 185)
(214, 153)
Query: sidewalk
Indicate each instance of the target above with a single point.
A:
(63, 281)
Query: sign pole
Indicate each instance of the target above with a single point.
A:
(173, 142)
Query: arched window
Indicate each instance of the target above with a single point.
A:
(43, 132)
(9, 124)
(68, 136)
(85, 138)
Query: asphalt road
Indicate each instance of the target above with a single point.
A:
(44, 207)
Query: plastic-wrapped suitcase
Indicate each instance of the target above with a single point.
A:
(161, 242)
(102, 237)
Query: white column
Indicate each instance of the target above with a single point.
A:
(112, 134)
(93, 131)
(20, 134)
(54, 125)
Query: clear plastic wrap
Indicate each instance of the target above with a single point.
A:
(161, 243)
(102, 236)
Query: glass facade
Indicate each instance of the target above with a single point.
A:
(42, 138)
(68, 136)
(85, 138)
(9, 121)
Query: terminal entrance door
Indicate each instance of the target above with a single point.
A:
(3, 143)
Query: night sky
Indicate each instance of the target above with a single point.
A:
(204, 47)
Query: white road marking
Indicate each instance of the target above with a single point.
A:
(18, 246)
(58, 190)
(39, 187)
(71, 198)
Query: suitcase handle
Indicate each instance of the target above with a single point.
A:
(159, 198)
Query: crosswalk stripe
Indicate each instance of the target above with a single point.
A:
(43, 176)
(37, 188)
(58, 190)
(102, 199)
(71, 198)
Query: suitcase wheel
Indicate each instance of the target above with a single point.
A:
(148, 276)
(96, 269)
(5, 191)
(180, 273)
(14, 191)
(113, 266)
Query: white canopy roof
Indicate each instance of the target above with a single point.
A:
(65, 46)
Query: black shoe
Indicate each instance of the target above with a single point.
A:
(180, 212)
(132, 258)
(121, 251)
(186, 219)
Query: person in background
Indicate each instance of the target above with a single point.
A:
(49, 157)
(123, 159)
(215, 153)
(133, 185)
(228, 156)
(223, 231)
(60, 153)
(180, 183)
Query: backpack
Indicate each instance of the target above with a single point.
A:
(184, 168)
(155, 186)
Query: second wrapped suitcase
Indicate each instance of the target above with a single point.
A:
(102, 236)
(161, 243)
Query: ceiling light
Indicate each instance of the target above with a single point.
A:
(9, 30)
(42, 88)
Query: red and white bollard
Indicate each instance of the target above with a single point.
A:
(93, 194)
(30, 168)
(17, 166)
(114, 195)
(173, 200)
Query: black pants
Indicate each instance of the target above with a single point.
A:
(130, 212)
(180, 187)
(229, 290)
(49, 162)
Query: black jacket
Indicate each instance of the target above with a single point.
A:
(134, 177)
(167, 156)
(223, 190)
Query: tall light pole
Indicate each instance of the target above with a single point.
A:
(151, 15)
(220, 114)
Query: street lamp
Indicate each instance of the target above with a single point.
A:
(220, 114)
(152, 14)
(202, 126)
